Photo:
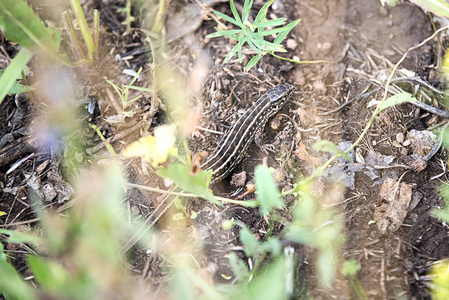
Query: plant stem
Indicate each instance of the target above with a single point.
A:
(182, 194)
(84, 28)
(301, 61)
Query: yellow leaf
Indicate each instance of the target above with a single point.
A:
(154, 149)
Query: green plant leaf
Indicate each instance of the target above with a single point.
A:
(138, 88)
(271, 23)
(232, 52)
(17, 88)
(238, 266)
(318, 227)
(215, 34)
(234, 12)
(229, 33)
(23, 26)
(11, 285)
(350, 267)
(269, 284)
(271, 31)
(397, 99)
(282, 35)
(246, 10)
(251, 244)
(262, 14)
(13, 71)
(198, 185)
(252, 42)
(253, 62)
(267, 191)
(268, 46)
(50, 275)
(240, 45)
(437, 7)
(389, 2)
(328, 146)
(19, 237)
(273, 245)
(229, 19)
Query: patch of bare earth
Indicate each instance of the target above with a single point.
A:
(363, 40)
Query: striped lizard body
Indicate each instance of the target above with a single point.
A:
(231, 148)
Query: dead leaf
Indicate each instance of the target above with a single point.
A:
(309, 117)
(302, 154)
(395, 200)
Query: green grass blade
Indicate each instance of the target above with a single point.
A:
(246, 10)
(13, 72)
(262, 14)
(84, 28)
(235, 12)
(397, 99)
(138, 88)
(23, 26)
(281, 36)
(116, 88)
(253, 62)
(228, 18)
(271, 23)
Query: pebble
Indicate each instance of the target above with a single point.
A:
(400, 137)
(320, 87)
(291, 44)
(383, 11)
(135, 210)
(404, 151)
(406, 143)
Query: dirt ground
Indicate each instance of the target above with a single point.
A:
(363, 40)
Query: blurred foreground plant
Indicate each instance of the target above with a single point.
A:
(23, 26)
(79, 253)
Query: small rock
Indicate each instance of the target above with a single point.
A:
(400, 137)
(291, 44)
(300, 79)
(383, 11)
(326, 47)
(239, 179)
(49, 192)
(404, 151)
(319, 87)
(135, 210)
(406, 143)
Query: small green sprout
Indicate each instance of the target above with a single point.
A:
(254, 33)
